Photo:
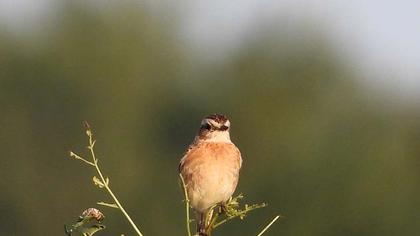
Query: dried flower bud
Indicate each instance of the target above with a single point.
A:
(93, 213)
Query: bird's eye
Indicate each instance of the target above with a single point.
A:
(206, 126)
(224, 127)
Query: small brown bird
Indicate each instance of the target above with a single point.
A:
(210, 167)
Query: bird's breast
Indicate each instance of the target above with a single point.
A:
(211, 172)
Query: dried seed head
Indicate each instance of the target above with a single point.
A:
(93, 213)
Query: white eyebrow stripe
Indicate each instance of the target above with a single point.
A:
(205, 121)
(214, 123)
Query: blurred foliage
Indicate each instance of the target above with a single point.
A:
(318, 148)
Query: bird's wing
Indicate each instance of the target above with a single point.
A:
(181, 163)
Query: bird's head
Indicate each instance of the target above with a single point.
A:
(214, 128)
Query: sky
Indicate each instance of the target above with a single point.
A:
(380, 38)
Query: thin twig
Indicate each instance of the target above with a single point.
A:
(105, 181)
(187, 205)
(268, 226)
(111, 205)
(75, 156)
(237, 215)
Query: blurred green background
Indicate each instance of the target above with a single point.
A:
(324, 151)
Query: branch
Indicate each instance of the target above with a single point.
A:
(187, 205)
(269, 225)
(102, 182)
(230, 210)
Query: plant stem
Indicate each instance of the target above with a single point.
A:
(106, 182)
(215, 225)
(187, 205)
(268, 226)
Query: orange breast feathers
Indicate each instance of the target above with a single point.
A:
(210, 171)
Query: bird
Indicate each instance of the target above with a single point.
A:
(210, 167)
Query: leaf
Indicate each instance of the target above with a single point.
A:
(91, 230)
(98, 182)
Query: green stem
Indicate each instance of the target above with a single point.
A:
(222, 222)
(187, 205)
(213, 220)
(105, 182)
(237, 215)
(268, 226)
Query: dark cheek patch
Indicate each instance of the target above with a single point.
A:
(206, 127)
(203, 133)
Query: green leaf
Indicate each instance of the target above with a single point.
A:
(91, 230)
(98, 182)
